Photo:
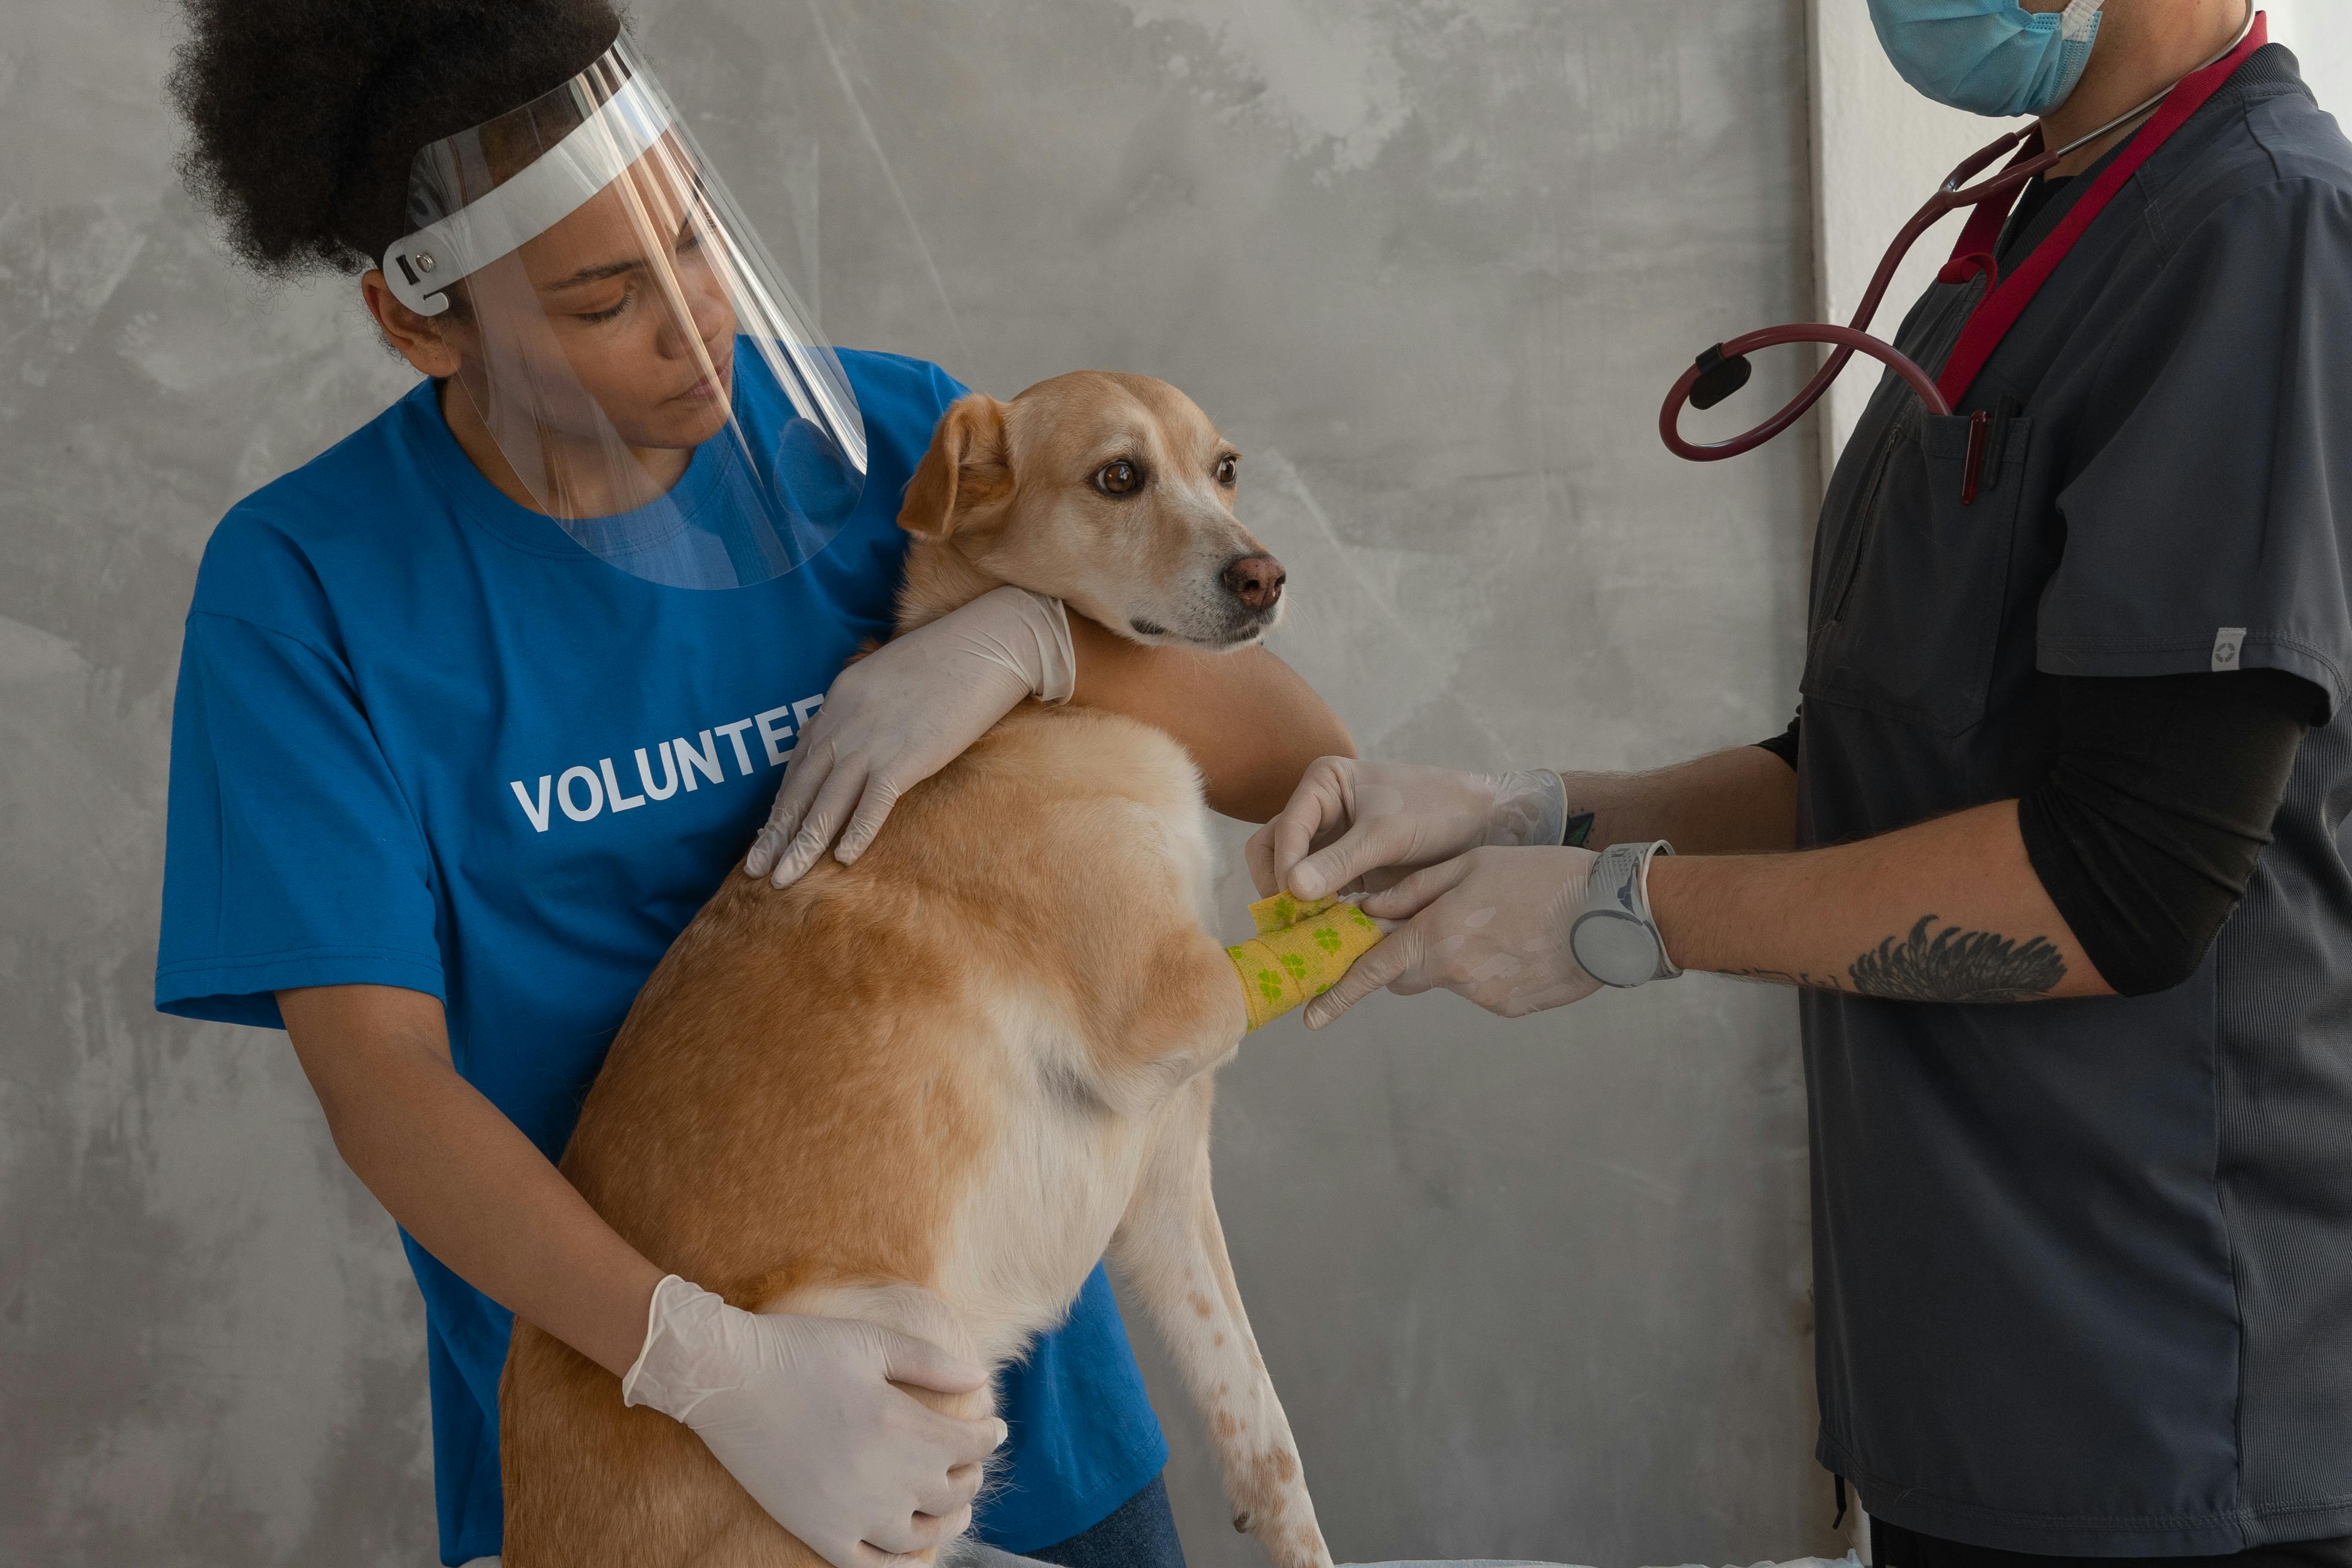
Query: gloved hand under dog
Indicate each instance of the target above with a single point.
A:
(1395, 817)
(802, 1413)
(902, 713)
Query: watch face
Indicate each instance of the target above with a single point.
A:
(1614, 949)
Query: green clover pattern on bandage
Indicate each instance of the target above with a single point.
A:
(1300, 952)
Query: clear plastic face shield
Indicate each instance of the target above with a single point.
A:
(625, 338)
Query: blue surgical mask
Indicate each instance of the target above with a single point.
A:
(1988, 56)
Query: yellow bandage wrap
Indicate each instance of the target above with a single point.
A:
(1299, 951)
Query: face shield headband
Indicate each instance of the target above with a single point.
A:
(627, 340)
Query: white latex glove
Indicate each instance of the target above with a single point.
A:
(902, 713)
(1491, 925)
(801, 1411)
(1359, 817)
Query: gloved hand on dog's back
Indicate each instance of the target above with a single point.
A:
(903, 712)
(802, 1412)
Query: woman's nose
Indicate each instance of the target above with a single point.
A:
(713, 315)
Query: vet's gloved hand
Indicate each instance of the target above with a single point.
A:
(1346, 818)
(1491, 925)
(801, 1411)
(902, 713)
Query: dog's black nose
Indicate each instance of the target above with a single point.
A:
(1257, 581)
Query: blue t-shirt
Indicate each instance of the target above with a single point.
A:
(422, 739)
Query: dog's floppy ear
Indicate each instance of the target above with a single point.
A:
(967, 465)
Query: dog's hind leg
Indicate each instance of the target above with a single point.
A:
(1170, 1252)
(592, 1484)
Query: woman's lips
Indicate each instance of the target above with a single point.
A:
(706, 389)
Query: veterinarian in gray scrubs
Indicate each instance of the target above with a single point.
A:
(2056, 849)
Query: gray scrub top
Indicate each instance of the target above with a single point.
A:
(2083, 1268)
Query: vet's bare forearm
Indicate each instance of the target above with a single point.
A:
(1251, 724)
(1950, 911)
(1739, 801)
(460, 1176)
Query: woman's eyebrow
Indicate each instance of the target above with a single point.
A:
(593, 274)
(597, 272)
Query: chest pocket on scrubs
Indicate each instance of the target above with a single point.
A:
(1908, 618)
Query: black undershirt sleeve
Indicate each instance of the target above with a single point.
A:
(2146, 833)
(1784, 744)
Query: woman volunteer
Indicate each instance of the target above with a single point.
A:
(474, 707)
(2056, 847)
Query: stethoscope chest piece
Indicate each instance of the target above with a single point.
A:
(1720, 375)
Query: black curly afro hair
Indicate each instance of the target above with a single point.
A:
(306, 114)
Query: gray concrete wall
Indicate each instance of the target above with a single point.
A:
(1527, 1288)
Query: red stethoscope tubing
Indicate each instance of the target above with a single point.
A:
(1953, 195)
(1855, 337)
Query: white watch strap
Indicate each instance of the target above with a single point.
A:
(1667, 968)
(1614, 936)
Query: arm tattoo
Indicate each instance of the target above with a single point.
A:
(1803, 978)
(1580, 828)
(1958, 965)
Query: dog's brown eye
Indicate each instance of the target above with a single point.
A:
(1229, 470)
(1119, 479)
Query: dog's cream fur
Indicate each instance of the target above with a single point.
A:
(932, 1090)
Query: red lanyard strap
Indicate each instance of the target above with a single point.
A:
(2010, 295)
(1979, 243)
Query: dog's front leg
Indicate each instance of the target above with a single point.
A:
(1171, 1251)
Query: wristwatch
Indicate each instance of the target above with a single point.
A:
(1614, 937)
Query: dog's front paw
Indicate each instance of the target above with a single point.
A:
(1271, 1504)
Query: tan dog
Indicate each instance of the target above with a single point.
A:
(933, 1090)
